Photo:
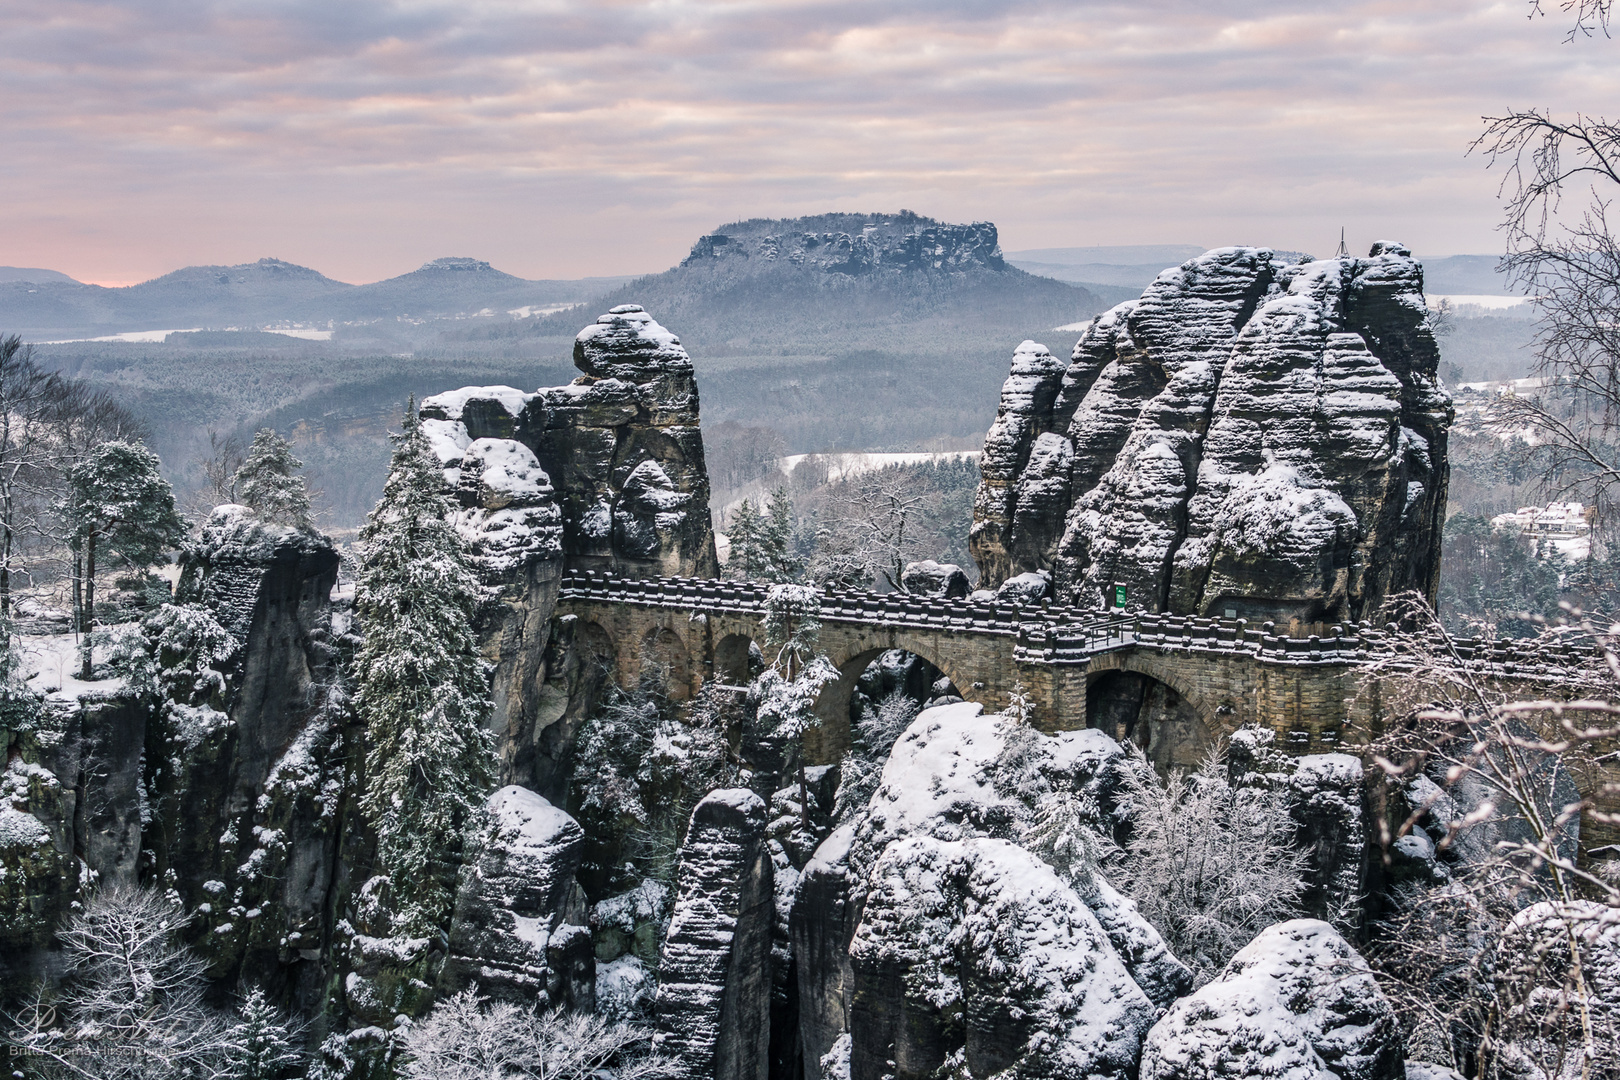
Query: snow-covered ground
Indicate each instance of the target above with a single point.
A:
(50, 665)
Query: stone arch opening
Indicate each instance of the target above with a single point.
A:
(737, 660)
(665, 658)
(1152, 714)
(864, 680)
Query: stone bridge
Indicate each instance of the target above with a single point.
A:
(1211, 675)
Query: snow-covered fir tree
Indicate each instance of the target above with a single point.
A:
(780, 562)
(745, 560)
(421, 689)
(259, 1046)
(762, 544)
(119, 510)
(268, 481)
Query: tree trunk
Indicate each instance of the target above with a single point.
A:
(87, 615)
(5, 570)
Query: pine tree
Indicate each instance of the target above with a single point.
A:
(118, 504)
(779, 561)
(422, 691)
(746, 558)
(785, 693)
(258, 1045)
(268, 481)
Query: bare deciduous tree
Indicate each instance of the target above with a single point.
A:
(132, 1007)
(463, 1038)
(1506, 962)
(1591, 16)
(1559, 179)
(870, 532)
(1209, 864)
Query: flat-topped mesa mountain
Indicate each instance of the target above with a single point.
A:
(1257, 435)
(883, 280)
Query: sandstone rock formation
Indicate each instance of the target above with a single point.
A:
(1297, 1001)
(519, 912)
(714, 991)
(928, 937)
(604, 473)
(616, 457)
(930, 578)
(1254, 435)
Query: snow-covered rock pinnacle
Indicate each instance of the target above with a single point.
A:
(1255, 434)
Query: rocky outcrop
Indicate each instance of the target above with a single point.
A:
(975, 953)
(246, 805)
(1297, 1001)
(519, 913)
(604, 473)
(714, 991)
(1255, 434)
(930, 578)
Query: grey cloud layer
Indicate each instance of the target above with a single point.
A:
(157, 132)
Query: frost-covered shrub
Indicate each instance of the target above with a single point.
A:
(643, 763)
(133, 1007)
(462, 1038)
(1209, 864)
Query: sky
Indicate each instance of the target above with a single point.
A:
(562, 138)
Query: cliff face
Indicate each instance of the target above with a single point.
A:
(1253, 435)
(614, 458)
(604, 473)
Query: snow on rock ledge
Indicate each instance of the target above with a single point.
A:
(1297, 1002)
(714, 989)
(519, 914)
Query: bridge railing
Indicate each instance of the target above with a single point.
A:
(1062, 634)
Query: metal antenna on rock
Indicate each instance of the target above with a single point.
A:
(1343, 252)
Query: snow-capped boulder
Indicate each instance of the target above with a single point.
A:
(714, 990)
(1025, 590)
(1296, 1002)
(930, 578)
(1256, 432)
(980, 933)
(518, 928)
(933, 853)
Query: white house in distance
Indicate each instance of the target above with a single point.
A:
(1566, 526)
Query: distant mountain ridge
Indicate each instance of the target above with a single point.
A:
(270, 292)
(32, 275)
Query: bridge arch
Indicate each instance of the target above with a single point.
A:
(1131, 696)
(663, 650)
(829, 741)
(737, 659)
